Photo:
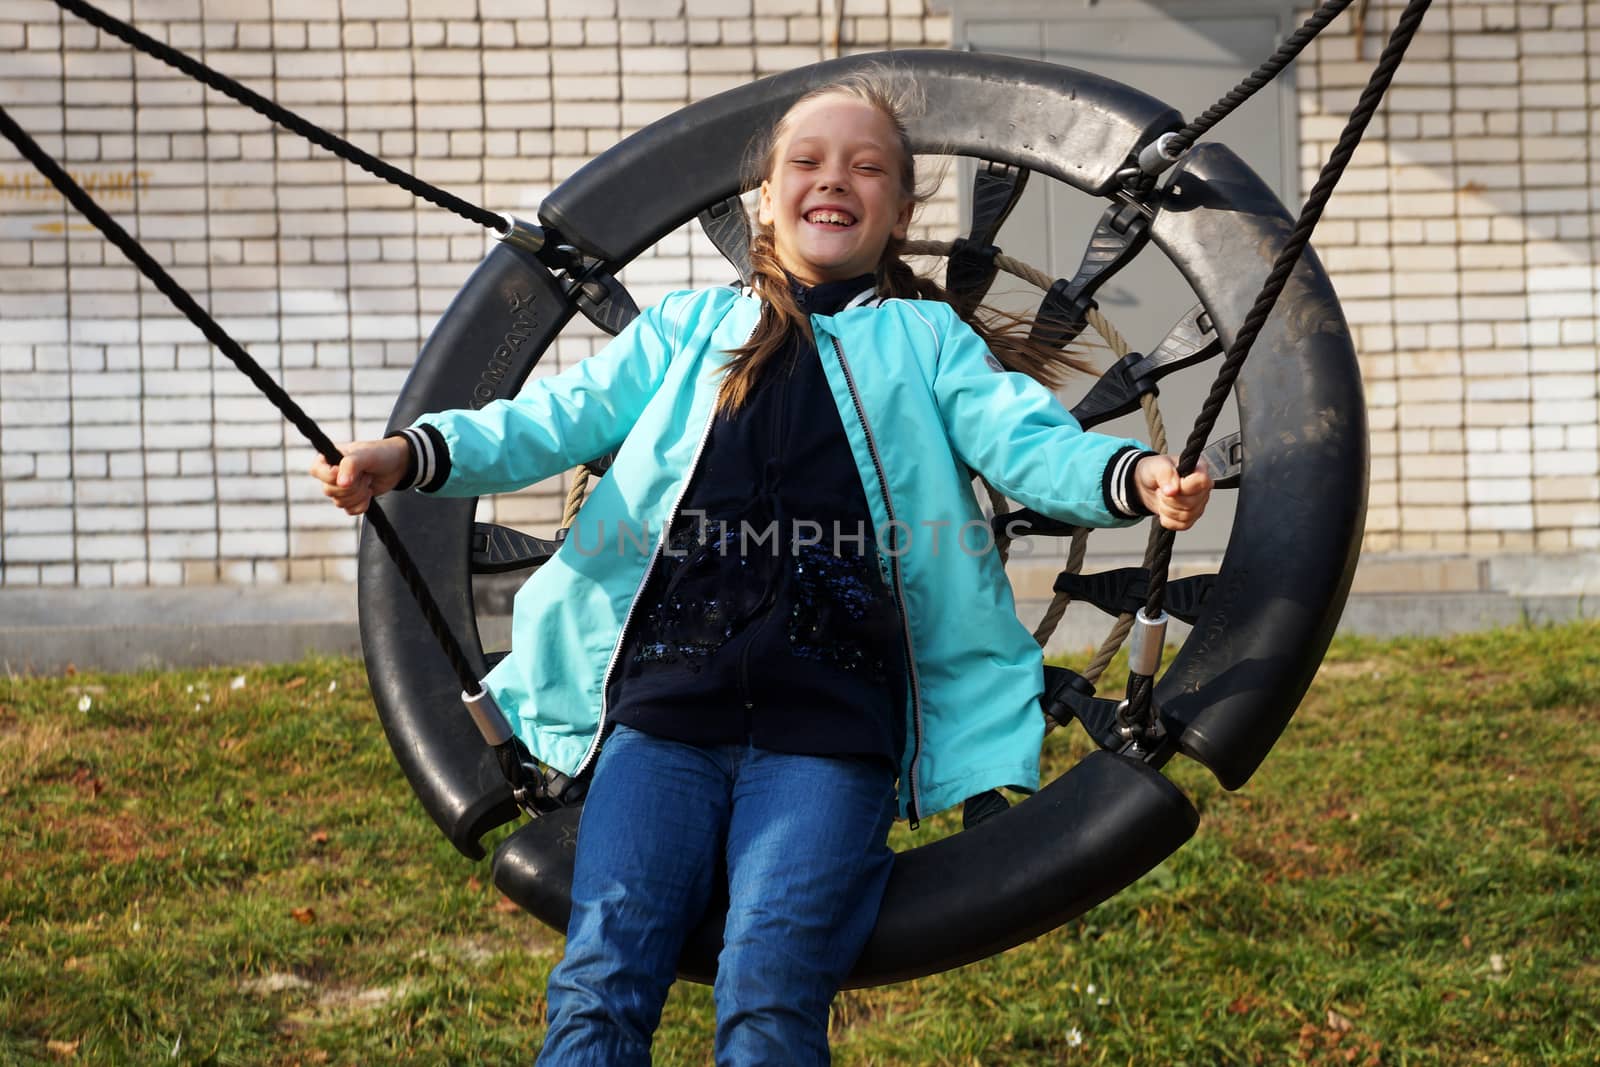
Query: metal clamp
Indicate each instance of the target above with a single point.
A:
(1146, 643)
(520, 234)
(492, 723)
(1125, 727)
(1159, 155)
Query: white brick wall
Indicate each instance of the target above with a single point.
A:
(1462, 242)
(130, 452)
(1466, 262)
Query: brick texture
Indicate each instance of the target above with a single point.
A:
(129, 451)
(1467, 261)
(1462, 243)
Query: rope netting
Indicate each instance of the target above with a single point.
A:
(1154, 423)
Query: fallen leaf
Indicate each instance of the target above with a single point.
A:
(1242, 1006)
(320, 837)
(64, 1048)
(473, 883)
(296, 682)
(1466, 940)
(1338, 1023)
(303, 915)
(506, 906)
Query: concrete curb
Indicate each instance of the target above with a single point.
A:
(43, 631)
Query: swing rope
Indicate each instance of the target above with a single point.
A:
(296, 415)
(1292, 46)
(1139, 715)
(283, 116)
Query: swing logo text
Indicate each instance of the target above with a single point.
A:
(741, 539)
(523, 323)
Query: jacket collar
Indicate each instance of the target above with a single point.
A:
(830, 298)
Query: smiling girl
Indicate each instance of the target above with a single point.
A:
(806, 644)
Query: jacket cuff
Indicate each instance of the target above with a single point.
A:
(1120, 488)
(429, 465)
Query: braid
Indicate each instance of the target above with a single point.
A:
(780, 318)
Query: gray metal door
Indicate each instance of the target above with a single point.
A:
(1187, 54)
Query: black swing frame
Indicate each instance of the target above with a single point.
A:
(1235, 682)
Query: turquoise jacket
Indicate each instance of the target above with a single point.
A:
(924, 405)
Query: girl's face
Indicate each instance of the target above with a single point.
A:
(834, 195)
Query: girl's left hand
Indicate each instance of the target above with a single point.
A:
(1177, 503)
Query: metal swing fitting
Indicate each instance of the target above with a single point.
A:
(1146, 642)
(1157, 156)
(521, 234)
(492, 722)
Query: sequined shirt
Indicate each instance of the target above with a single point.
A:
(766, 618)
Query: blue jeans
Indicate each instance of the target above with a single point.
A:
(802, 840)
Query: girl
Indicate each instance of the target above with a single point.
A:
(774, 605)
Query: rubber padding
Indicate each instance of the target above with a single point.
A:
(485, 344)
(1091, 832)
(1235, 682)
(1075, 126)
(1303, 485)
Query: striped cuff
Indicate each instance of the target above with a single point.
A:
(1120, 488)
(429, 466)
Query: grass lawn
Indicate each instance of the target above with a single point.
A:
(227, 867)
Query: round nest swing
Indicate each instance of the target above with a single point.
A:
(1260, 624)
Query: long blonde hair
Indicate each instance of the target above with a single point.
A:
(898, 98)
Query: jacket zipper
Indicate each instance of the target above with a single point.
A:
(896, 591)
(672, 516)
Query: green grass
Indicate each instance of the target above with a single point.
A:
(194, 872)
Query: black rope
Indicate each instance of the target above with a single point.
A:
(130, 247)
(283, 116)
(1360, 117)
(1292, 46)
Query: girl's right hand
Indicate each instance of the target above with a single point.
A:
(368, 468)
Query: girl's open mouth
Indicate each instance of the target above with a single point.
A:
(830, 217)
